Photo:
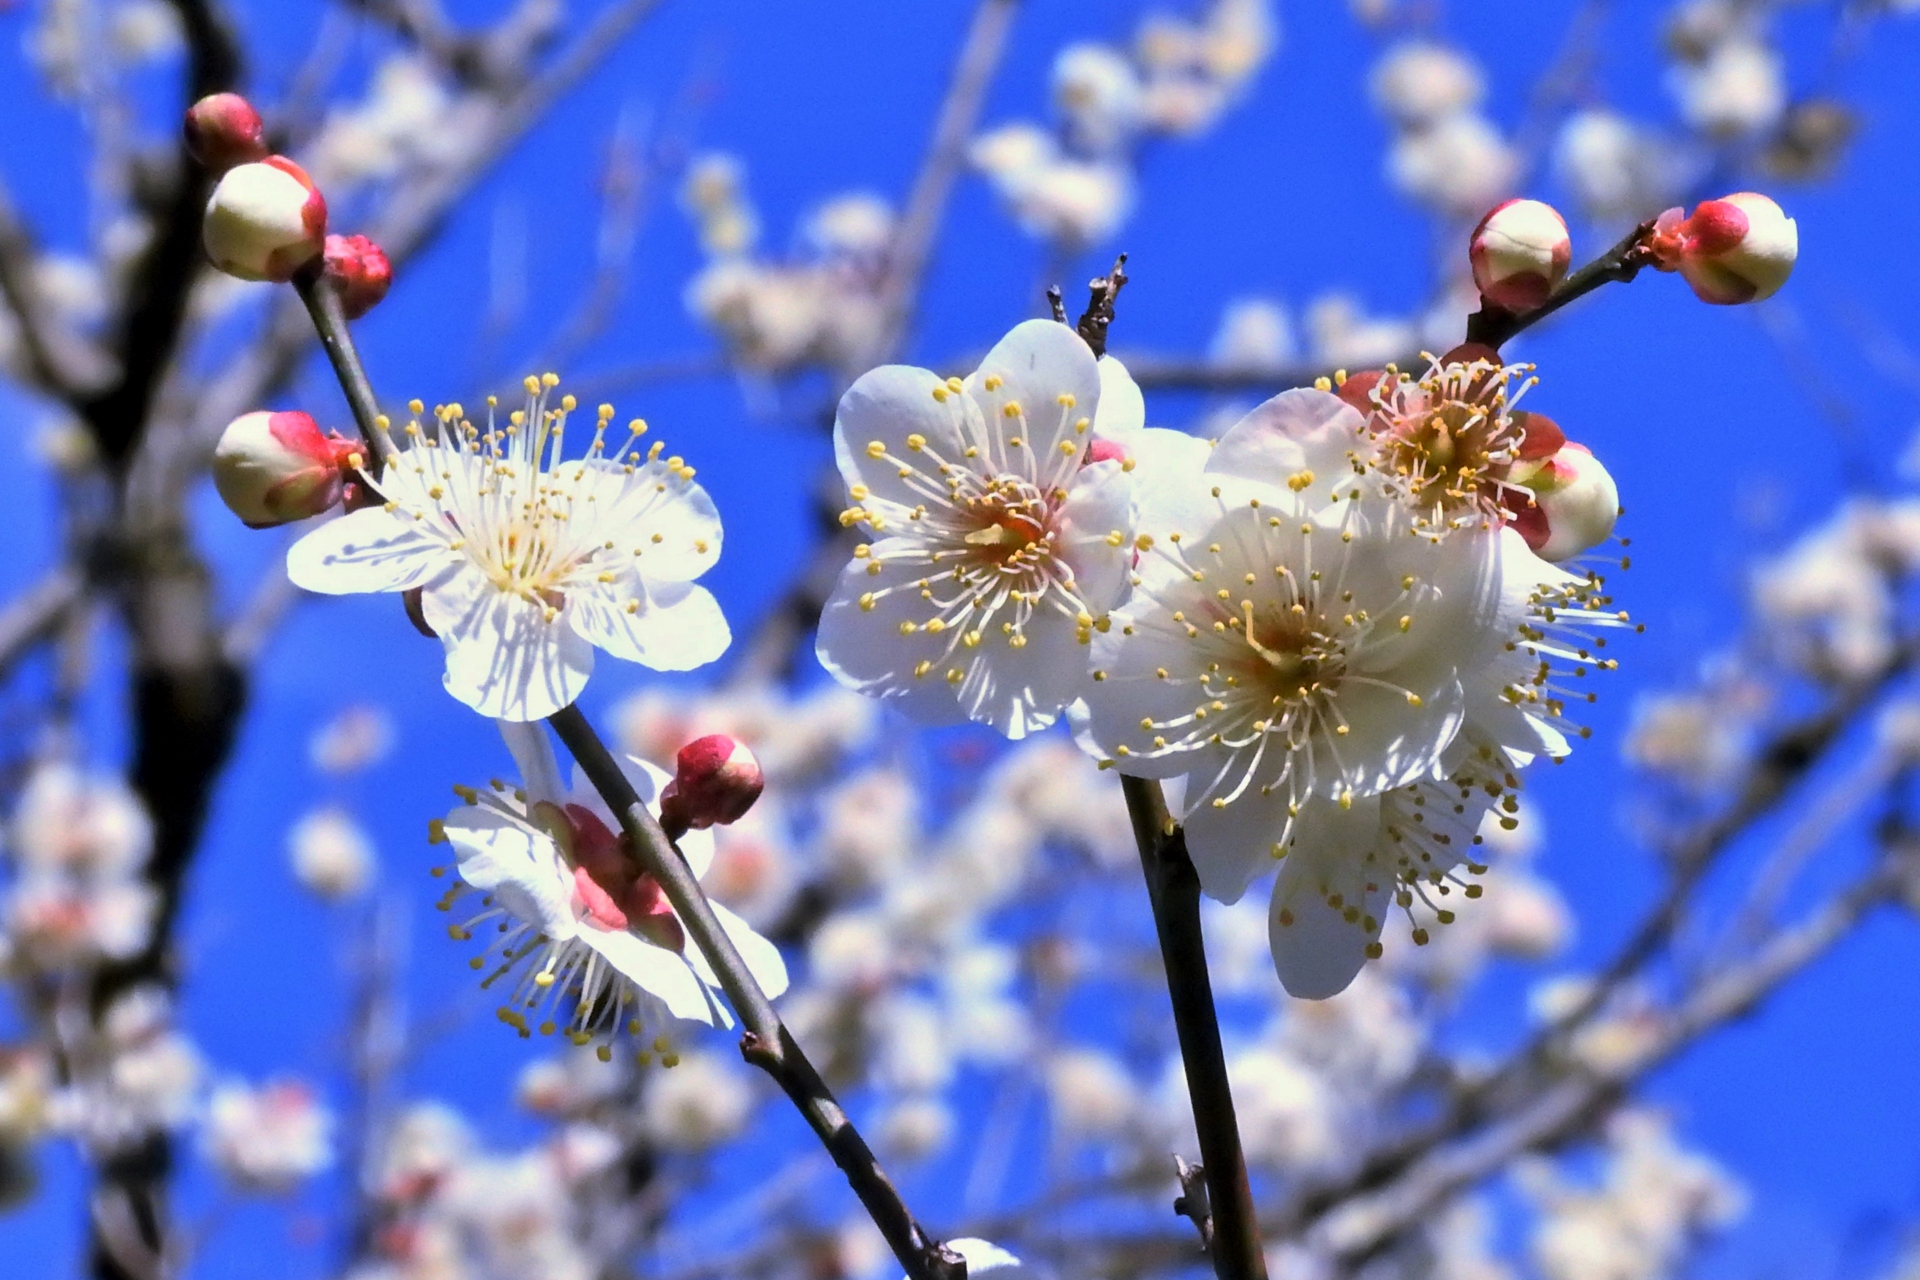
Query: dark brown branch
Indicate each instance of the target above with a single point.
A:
(1103, 292)
(767, 1043)
(1173, 887)
(61, 362)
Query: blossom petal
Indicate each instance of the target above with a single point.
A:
(1299, 433)
(865, 648)
(1123, 410)
(533, 756)
(516, 864)
(664, 523)
(1096, 534)
(888, 407)
(1317, 950)
(675, 626)
(505, 658)
(1233, 845)
(661, 973)
(763, 959)
(1045, 375)
(368, 550)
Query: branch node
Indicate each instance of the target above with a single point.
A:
(1192, 1201)
(1057, 303)
(1102, 291)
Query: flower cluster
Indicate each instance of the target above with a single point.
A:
(1341, 626)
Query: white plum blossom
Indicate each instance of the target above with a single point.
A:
(594, 944)
(269, 1138)
(1345, 677)
(702, 1102)
(1002, 541)
(526, 562)
(332, 854)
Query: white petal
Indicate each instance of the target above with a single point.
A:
(1036, 364)
(1123, 410)
(1317, 951)
(1298, 431)
(519, 866)
(1232, 845)
(367, 550)
(504, 658)
(1096, 534)
(865, 650)
(659, 972)
(762, 958)
(676, 627)
(533, 756)
(887, 406)
(669, 521)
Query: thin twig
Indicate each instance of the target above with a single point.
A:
(767, 1043)
(1495, 326)
(36, 614)
(1173, 887)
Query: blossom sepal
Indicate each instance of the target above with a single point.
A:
(360, 270)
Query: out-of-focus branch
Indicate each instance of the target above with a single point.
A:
(61, 362)
(36, 614)
(767, 1043)
(1173, 887)
(913, 242)
(1785, 758)
(1363, 1224)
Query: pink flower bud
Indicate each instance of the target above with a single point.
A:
(717, 782)
(361, 268)
(265, 221)
(224, 130)
(1739, 248)
(1578, 503)
(272, 468)
(1519, 252)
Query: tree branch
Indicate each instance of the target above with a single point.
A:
(767, 1043)
(1495, 326)
(36, 615)
(1174, 890)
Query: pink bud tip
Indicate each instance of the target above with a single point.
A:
(223, 130)
(361, 270)
(1519, 252)
(1105, 451)
(716, 783)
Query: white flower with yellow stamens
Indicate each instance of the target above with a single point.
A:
(1002, 537)
(1286, 642)
(594, 949)
(526, 561)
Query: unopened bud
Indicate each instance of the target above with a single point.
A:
(1577, 502)
(1519, 252)
(272, 468)
(1740, 248)
(717, 782)
(223, 130)
(361, 270)
(265, 221)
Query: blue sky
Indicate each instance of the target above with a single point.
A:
(1717, 445)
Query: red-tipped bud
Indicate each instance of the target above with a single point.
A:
(273, 468)
(223, 130)
(717, 782)
(1519, 252)
(265, 221)
(361, 269)
(1739, 248)
(1576, 503)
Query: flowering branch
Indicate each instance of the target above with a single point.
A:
(1230, 1231)
(767, 1043)
(1494, 325)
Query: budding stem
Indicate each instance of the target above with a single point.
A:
(1496, 325)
